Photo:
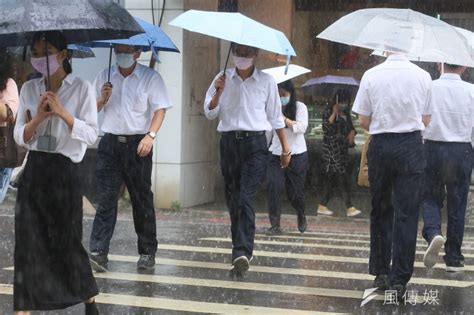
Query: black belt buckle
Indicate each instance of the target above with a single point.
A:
(122, 139)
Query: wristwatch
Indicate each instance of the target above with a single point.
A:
(151, 134)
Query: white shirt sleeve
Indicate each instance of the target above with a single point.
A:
(301, 118)
(21, 118)
(428, 108)
(211, 114)
(158, 97)
(273, 107)
(85, 128)
(362, 104)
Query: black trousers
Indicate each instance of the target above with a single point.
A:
(243, 164)
(396, 171)
(119, 162)
(292, 178)
(335, 181)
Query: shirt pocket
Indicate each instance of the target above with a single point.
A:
(258, 99)
(140, 104)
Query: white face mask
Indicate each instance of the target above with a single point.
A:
(124, 60)
(242, 63)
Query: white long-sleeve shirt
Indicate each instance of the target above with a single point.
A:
(295, 135)
(250, 105)
(395, 95)
(79, 100)
(453, 110)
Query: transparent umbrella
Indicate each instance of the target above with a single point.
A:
(401, 31)
(427, 57)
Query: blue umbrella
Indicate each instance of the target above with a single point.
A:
(153, 39)
(79, 51)
(235, 27)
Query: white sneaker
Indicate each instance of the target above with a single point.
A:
(431, 255)
(352, 212)
(324, 210)
(240, 265)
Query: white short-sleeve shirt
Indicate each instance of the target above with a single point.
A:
(453, 110)
(250, 105)
(395, 95)
(134, 100)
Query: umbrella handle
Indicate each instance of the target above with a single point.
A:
(227, 59)
(110, 63)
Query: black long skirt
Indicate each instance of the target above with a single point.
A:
(52, 269)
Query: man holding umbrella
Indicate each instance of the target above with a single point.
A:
(247, 102)
(134, 104)
(394, 105)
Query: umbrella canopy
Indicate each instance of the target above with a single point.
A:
(427, 58)
(153, 37)
(77, 51)
(279, 75)
(329, 84)
(79, 20)
(401, 31)
(235, 27)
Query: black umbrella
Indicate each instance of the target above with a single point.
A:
(79, 20)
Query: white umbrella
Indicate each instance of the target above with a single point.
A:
(278, 73)
(427, 57)
(401, 31)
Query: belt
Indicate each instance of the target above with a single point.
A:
(239, 134)
(125, 138)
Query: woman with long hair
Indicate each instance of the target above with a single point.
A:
(293, 177)
(8, 109)
(57, 119)
(338, 135)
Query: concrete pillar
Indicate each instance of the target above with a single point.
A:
(184, 154)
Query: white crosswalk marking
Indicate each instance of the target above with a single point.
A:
(320, 279)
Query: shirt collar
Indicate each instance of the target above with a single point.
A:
(255, 74)
(137, 71)
(68, 79)
(397, 57)
(450, 76)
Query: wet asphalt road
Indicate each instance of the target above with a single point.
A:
(323, 270)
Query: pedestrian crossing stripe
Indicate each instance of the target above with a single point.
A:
(308, 245)
(352, 235)
(420, 243)
(185, 305)
(284, 271)
(285, 255)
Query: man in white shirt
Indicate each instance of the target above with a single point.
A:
(393, 103)
(247, 102)
(134, 103)
(449, 166)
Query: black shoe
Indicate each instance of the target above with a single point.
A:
(301, 223)
(274, 230)
(454, 267)
(99, 261)
(382, 282)
(240, 265)
(146, 262)
(401, 290)
(91, 309)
